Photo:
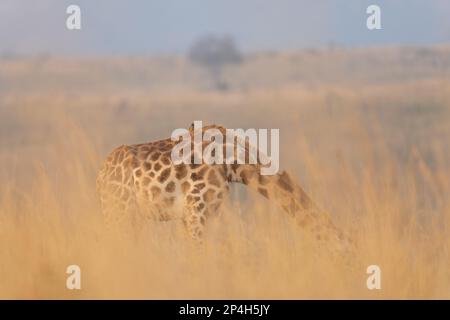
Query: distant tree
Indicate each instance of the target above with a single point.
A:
(214, 53)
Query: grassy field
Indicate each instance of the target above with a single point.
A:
(366, 132)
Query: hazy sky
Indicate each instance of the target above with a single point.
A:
(168, 26)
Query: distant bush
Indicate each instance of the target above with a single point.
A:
(214, 53)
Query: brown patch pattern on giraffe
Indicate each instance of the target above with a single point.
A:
(164, 175)
(180, 171)
(170, 187)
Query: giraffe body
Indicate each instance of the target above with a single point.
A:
(140, 182)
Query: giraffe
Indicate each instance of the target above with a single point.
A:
(140, 181)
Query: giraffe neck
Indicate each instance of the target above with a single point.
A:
(291, 198)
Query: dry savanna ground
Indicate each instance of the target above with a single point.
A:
(366, 132)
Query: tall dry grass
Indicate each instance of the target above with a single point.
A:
(375, 156)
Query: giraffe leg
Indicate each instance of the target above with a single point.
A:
(200, 204)
(194, 221)
(195, 214)
(120, 214)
